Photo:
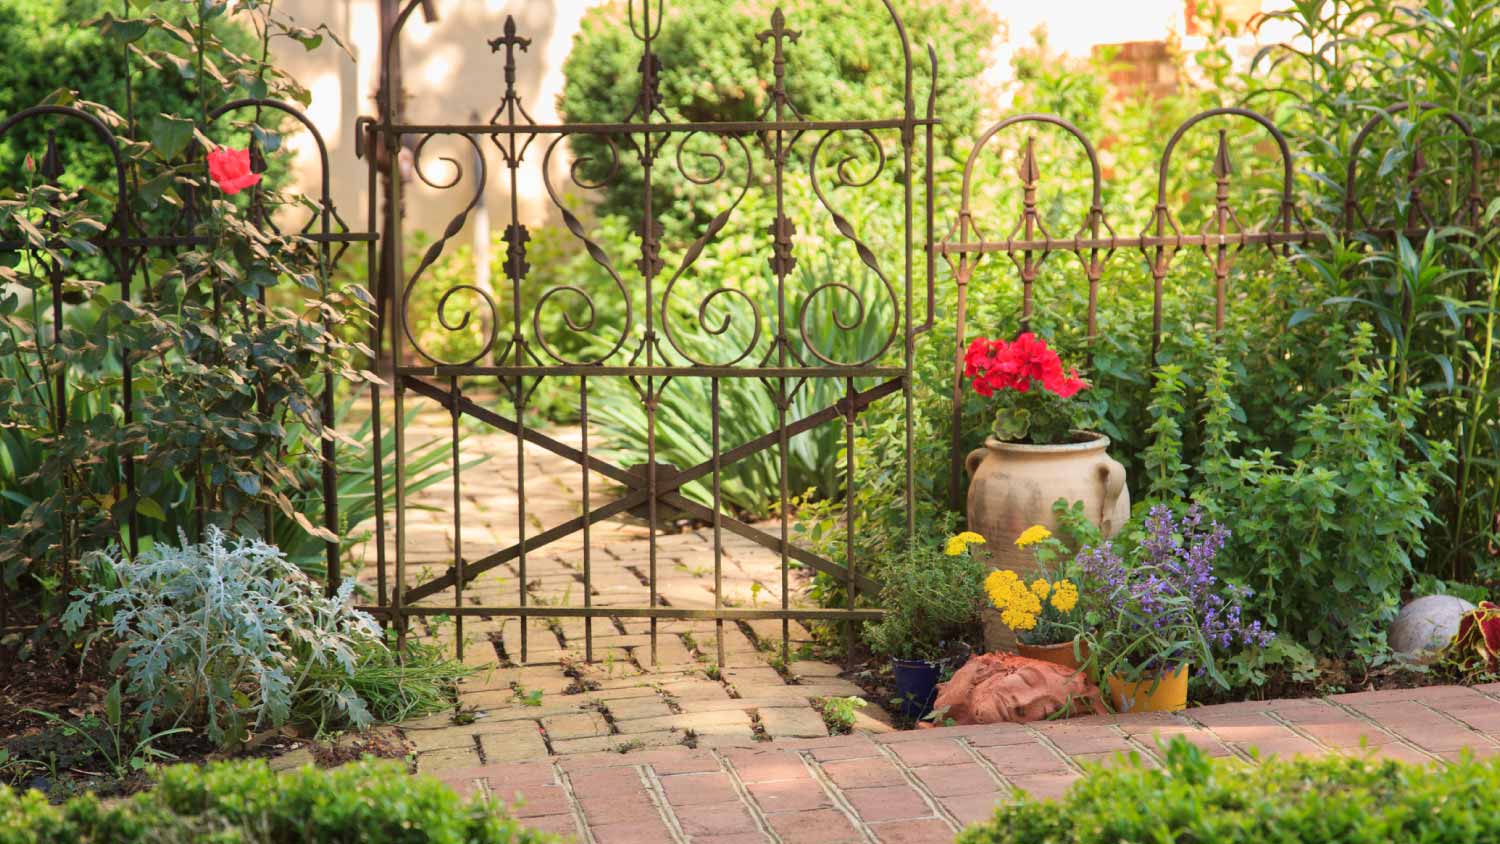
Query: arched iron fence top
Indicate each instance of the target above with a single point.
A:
(120, 218)
(1161, 237)
(1473, 199)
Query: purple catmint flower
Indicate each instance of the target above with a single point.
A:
(1173, 580)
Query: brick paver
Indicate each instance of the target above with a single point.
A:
(920, 787)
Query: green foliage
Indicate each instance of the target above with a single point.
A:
(839, 713)
(846, 65)
(1430, 301)
(247, 803)
(48, 47)
(231, 383)
(1331, 800)
(931, 602)
(1327, 534)
(235, 639)
(110, 738)
(1166, 476)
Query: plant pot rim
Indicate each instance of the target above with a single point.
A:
(1095, 442)
(1162, 677)
(917, 663)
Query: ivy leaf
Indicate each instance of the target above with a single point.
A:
(170, 135)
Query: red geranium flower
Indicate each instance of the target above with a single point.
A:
(998, 365)
(230, 169)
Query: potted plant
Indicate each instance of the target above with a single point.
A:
(931, 603)
(1162, 612)
(1040, 611)
(1036, 455)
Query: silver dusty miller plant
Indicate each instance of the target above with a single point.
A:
(225, 635)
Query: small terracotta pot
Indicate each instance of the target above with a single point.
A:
(1058, 654)
(1167, 694)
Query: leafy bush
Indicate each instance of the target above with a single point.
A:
(232, 637)
(247, 803)
(931, 601)
(231, 380)
(1328, 534)
(1331, 800)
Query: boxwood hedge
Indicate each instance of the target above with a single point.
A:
(370, 802)
(1192, 798)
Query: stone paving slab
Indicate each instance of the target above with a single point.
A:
(922, 786)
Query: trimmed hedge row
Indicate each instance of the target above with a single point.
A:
(370, 802)
(1193, 798)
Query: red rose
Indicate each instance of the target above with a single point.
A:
(230, 169)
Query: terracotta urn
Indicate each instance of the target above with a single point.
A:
(1012, 486)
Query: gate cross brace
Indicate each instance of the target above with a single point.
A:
(666, 487)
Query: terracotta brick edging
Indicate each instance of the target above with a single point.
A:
(923, 786)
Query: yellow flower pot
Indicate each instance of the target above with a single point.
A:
(1166, 694)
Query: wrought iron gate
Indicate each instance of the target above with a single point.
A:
(518, 354)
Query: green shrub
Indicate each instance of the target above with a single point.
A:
(247, 803)
(1192, 798)
(235, 639)
(1328, 532)
(846, 65)
(931, 602)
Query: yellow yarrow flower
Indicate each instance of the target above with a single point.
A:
(1032, 535)
(1041, 588)
(959, 543)
(1064, 596)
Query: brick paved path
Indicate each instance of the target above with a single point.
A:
(554, 703)
(921, 786)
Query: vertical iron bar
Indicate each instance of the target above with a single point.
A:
(519, 402)
(393, 266)
(588, 577)
(718, 520)
(454, 396)
(648, 270)
(956, 458)
(908, 143)
(377, 456)
(127, 269)
(850, 516)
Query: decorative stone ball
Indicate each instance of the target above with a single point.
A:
(1426, 624)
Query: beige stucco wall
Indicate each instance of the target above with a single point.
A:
(451, 76)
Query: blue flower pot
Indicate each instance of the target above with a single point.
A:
(916, 684)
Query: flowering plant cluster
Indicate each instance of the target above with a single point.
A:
(1166, 606)
(1030, 386)
(1039, 611)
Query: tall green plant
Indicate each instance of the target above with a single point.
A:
(1329, 533)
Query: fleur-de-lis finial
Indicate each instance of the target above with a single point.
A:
(510, 41)
(781, 35)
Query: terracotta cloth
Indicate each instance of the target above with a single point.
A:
(997, 687)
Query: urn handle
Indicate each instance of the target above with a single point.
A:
(971, 464)
(1113, 476)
